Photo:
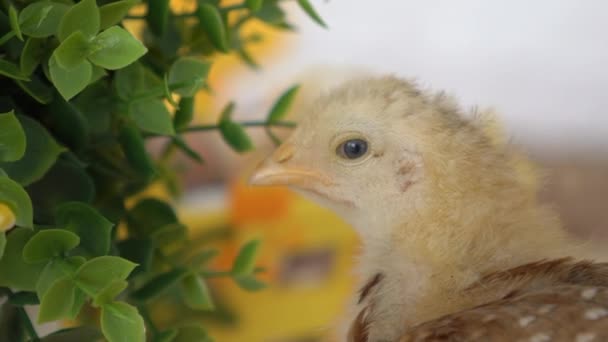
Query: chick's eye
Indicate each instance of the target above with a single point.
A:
(353, 149)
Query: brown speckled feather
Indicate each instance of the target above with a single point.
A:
(556, 300)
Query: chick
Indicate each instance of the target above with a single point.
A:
(455, 244)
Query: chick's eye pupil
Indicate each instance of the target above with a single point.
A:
(353, 149)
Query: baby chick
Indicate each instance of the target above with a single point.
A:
(455, 244)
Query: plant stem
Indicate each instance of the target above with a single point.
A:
(143, 311)
(6, 37)
(200, 128)
(28, 323)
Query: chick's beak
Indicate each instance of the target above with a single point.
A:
(279, 169)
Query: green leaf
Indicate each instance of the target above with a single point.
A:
(82, 17)
(158, 16)
(133, 146)
(55, 270)
(187, 75)
(139, 251)
(11, 70)
(226, 114)
(13, 18)
(22, 298)
(129, 80)
(93, 229)
(152, 116)
(37, 89)
(192, 333)
(307, 7)
(195, 293)
(115, 48)
(15, 272)
(77, 334)
(72, 51)
(184, 114)
(12, 138)
(41, 152)
(58, 301)
(279, 109)
(155, 286)
(211, 21)
(68, 124)
(248, 59)
(149, 215)
(2, 243)
(15, 197)
(235, 135)
(110, 292)
(98, 73)
(79, 299)
(65, 181)
(244, 264)
(113, 13)
(120, 322)
(31, 55)
(203, 257)
(249, 283)
(254, 5)
(70, 82)
(49, 243)
(41, 19)
(96, 274)
(271, 13)
(166, 336)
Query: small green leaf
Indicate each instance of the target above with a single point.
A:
(195, 292)
(12, 138)
(24, 298)
(96, 274)
(41, 152)
(133, 146)
(2, 243)
(152, 116)
(55, 270)
(115, 48)
(249, 283)
(49, 243)
(70, 82)
(37, 89)
(149, 215)
(72, 51)
(166, 336)
(82, 17)
(139, 251)
(113, 13)
(58, 301)
(11, 70)
(202, 258)
(244, 263)
(279, 109)
(158, 284)
(226, 114)
(77, 334)
(158, 16)
(187, 75)
(120, 322)
(31, 55)
(271, 13)
(41, 18)
(235, 135)
(184, 113)
(254, 5)
(110, 292)
(248, 59)
(192, 333)
(15, 272)
(15, 197)
(93, 229)
(13, 17)
(129, 80)
(307, 7)
(79, 299)
(212, 22)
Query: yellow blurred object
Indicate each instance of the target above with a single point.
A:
(307, 253)
(7, 218)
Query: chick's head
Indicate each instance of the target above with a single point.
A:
(374, 150)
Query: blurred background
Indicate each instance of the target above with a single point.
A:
(540, 64)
